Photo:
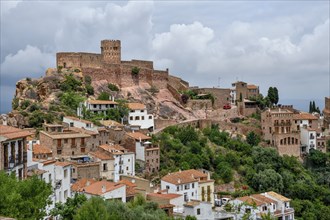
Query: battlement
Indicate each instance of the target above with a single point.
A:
(111, 51)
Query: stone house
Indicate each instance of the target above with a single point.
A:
(243, 90)
(147, 154)
(167, 200)
(41, 152)
(279, 129)
(304, 119)
(13, 150)
(65, 142)
(106, 160)
(326, 113)
(85, 170)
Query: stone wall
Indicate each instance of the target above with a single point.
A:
(326, 112)
(86, 170)
(160, 79)
(174, 92)
(162, 123)
(178, 83)
(140, 63)
(205, 104)
(79, 60)
(221, 96)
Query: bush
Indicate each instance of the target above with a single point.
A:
(59, 69)
(70, 83)
(77, 70)
(103, 96)
(113, 87)
(88, 80)
(15, 103)
(34, 107)
(28, 79)
(38, 117)
(135, 70)
(25, 104)
(71, 100)
(89, 89)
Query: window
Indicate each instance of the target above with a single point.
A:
(59, 152)
(198, 211)
(65, 141)
(131, 118)
(142, 118)
(65, 173)
(71, 124)
(73, 142)
(264, 208)
(186, 186)
(126, 168)
(192, 185)
(105, 167)
(137, 117)
(167, 187)
(82, 150)
(192, 194)
(150, 117)
(142, 110)
(50, 178)
(65, 194)
(177, 188)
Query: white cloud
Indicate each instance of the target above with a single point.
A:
(6, 6)
(30, 61)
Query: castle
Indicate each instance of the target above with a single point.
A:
(109, 66)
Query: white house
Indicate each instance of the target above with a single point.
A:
(79, 123)
(124, 161)
(308, 139)
(139, 116)
(201, 210)
(96, 106)
(12, 150)
(257, 205)
(187, 183)
(166, 198)
(62, 181)
(106, 189)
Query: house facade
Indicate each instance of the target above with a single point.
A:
(279, 129)
(107, 190)
(13, 150)
(192, 184)
(147, 154)
(308, 139)
(65, 143)
(96, 106)
(139, 116)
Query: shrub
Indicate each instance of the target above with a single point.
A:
(184, 98)
(88, 80)
(25, 104)
(77, 70)
(135, 70)
(15, 103)
(103, 96)
(59, 69)
(113, 87)
(71, 100)
(70, 83)
(34, 107)
(28, 79)
(89, 89)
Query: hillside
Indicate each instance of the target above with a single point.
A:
(59, 92)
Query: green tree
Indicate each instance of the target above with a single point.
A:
(267, 180)
(225, 172)
(252, 138)
(103, 96)
(68, 209)
(135, 70)
(26, 199)
(89, 89)
(113, 87)
(276, 97)
(71, 99)
(271, 95)
(313, 106)
(310, 107)
(70, 83)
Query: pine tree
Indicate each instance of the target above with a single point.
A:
(276, 97)
(310, 106)
(314, 107)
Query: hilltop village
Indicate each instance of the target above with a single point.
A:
(99, 126)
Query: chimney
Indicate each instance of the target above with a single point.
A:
(103, 188)
(192, 176)
(179, 180)
(88, 183)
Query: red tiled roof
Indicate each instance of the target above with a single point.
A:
(138, 136)
(78, 119)
(164, 196)
(304, 116)
(62, 164)
(182, 177)
(130, 187)
(110, 148)
(10, 132)
(102, 102)
(80, 184)
(40, 149)
(102, 155)
(251, 86)
(96, 188)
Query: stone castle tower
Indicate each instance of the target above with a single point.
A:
(111, 51)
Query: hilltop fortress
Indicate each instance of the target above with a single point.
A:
(109, 66)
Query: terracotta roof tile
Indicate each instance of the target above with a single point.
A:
(10, 132)
(164, 196)
(251, 86)
(182, 177)
(102, 102)
(78, 119)
(304, 116)
(62, 164)
(40, 149)
(278, 196)
(96, 188)
(111, 148)
(130, 187)
(138, 136)
(110, 123)
(136, 106)
(65, 135)
(84, 131)
(80, 184)
(102, 155)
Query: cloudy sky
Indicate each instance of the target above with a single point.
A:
(208, 43)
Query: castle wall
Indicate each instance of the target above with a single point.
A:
(160, 79)
(140, 63)
(221, 96)
(174, 92)
(79, 60)
(178, 83)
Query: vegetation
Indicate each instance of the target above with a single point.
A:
(252, 169)
(135, 71)
(26, 199)
(273, 95)
(89, 89)
(190, 94)
(70, 83)
(68, 210)
(103, 96)
(113, 87)
(24, 104)
(97, 208)
(71, 100)
(38, 117)
(313, 108)
(15, 103)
